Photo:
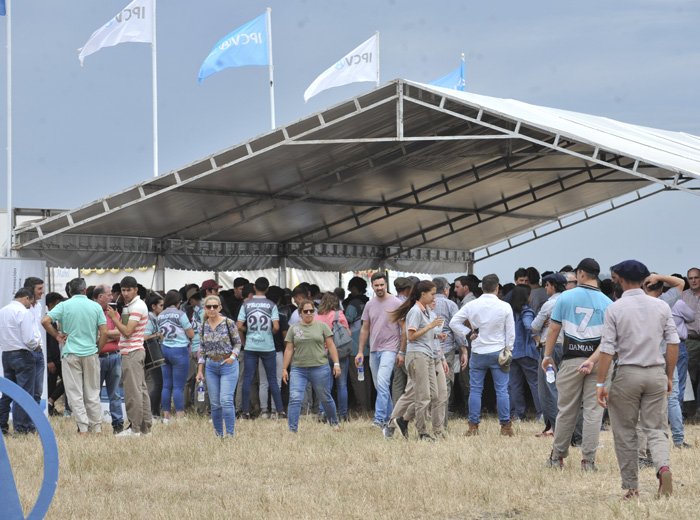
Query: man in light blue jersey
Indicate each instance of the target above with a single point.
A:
(580, 314)
(259, 318)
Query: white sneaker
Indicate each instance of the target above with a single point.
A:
(166, 421)
(128, 433)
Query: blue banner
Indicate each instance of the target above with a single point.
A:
(453, 80)
(2, 8)
(247, 45)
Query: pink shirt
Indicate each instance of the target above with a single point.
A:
(329, 317)
(384, 334)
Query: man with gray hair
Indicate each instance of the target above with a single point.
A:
(110, 359)
(446, 309)
(84, 332)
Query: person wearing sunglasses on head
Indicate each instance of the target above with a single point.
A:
(306, 345)
(218, 360)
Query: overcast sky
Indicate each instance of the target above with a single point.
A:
(80, 134)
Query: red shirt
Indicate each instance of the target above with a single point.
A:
(113, 345)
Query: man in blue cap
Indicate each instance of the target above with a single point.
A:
(635, 326)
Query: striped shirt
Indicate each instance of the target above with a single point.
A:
(135, 311)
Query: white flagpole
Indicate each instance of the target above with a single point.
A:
(155, 94)
(269, 59)
(8, 16)
(378, 62)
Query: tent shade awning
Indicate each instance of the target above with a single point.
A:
(410, 176)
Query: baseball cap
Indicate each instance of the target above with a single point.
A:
(210, 284)
(589, 265)
(194, 292)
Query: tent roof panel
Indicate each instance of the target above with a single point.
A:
(402, 168)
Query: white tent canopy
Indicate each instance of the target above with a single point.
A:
(409, 176)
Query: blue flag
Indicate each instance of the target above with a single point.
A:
(3, 12)
(453, 80)
(247, 45)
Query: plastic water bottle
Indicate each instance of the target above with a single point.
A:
(200, 392)
(361, 373)
(551, 376)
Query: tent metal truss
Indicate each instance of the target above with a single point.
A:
(496, 144)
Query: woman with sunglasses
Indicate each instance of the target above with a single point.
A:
(306, 345)
(218, 359)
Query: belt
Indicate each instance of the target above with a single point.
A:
(107, 354)
(219, 358)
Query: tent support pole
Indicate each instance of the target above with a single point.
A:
(282, 272)
(159, 276)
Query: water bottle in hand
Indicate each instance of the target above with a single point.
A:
(200, 392)
(551, 376)
(361, 373)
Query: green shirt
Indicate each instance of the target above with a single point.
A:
(309, 343)
(80, 318)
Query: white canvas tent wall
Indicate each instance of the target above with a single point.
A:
(408, 176)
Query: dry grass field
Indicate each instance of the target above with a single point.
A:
(183, 471)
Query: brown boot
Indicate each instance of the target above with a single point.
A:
(473, 430)
(507, 429)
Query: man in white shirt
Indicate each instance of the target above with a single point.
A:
(492, 329)
(18, 341)
(36, 286)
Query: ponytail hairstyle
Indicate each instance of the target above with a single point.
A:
(417, 291)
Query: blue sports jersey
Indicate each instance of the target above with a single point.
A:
(258, 313)
(581, 312)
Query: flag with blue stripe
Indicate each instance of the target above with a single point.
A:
(247, 45)
(453, 80)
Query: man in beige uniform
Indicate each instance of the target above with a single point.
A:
(634, 327)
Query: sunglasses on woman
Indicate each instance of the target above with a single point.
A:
(307, 311)
(212, 306)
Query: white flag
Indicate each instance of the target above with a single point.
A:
(360, 64)
(134, 23)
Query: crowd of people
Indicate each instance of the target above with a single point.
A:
(565, 348)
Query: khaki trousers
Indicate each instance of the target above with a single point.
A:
(425, 397)
(138, 404)
(398, 383)
(81, 380)
(577, 390)
(638, 394)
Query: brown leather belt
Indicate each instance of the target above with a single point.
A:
(219, 358)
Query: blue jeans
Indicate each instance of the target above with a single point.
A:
(547, 392)
(675, 416)
(177, 363)
(19, 367)
(341, 388)
(382, 366)
(221, 380)
(298, 379)
(478, 365)
(250, 368)
(682, 367)
(523, 371)
(40, 366)
(111, 375)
